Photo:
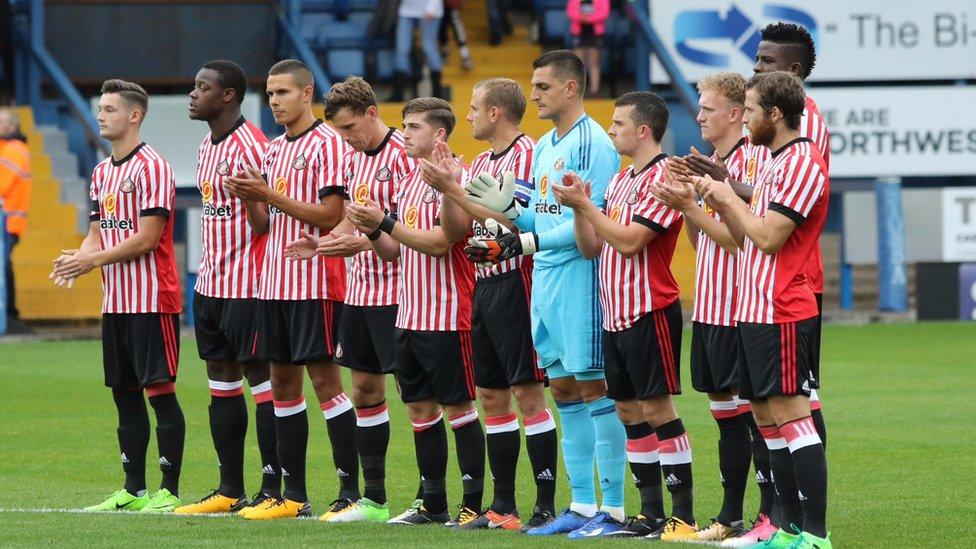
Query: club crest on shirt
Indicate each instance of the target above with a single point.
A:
(206, 191)
(280, 185)
(299, 162)
(223, 168)
(544, 185)
(109, 204)
(615, 214)
(362, 193)
(632, 198)
(559, 164)
(384, 174)
(430, 195)
(411, 217)
(127, 186)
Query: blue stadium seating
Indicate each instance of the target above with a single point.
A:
(344, 62)
(338, 31)
(554, 26)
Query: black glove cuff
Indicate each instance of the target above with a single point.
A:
(387, 225)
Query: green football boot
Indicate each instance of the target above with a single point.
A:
(162, 502)
(121, 501)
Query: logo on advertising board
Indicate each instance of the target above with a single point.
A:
(703, 36)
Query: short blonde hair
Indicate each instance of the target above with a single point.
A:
(730, 85)
(505, 94)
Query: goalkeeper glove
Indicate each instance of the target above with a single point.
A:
(497, 196)
(504, 245)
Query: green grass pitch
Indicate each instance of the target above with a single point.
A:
(897, 398)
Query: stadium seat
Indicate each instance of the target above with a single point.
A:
(352, 33)
(362, 5)
(341, 63)
(312, 26)
(385, 63)
(554, 26)
(317, 6)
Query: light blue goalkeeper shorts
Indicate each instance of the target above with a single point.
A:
(566, 319)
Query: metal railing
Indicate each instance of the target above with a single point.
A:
(648, 41)
(32, 58)
(289, 13)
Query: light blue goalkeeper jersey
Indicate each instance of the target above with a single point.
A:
(587, 150)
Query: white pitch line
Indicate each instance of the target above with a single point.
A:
(39, 510)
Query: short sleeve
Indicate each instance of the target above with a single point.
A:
(651, 213)
(798, 188)
(94, 210)
(157, 188)
(601, 164)
(523, 165)
(331, 168)
(252, 156)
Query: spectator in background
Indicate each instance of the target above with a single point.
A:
(427, 15)
(452, 19)
(587, 20)
(15, 188)
(498, 22)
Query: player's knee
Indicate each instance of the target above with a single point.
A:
(629, 412)
(785, 409)
(592, 390)
(367, 389)
(457, 409)
(256, 373)
(495, 402)
(720, 397)
(326, 381)
(424, 410)
(223, 370)
(286, 382)
(531, 398)
(565, 389)
(659, 410)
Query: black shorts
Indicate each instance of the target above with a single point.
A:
(434, 366)
(502, 333)
(776, 359)
(366, 339)
(140, 349)
(226, 329)
(714, 358)
(643, 360)
(587, 38)
(816, 348)
(298, 332)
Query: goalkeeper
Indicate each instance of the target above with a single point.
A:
(565, 305)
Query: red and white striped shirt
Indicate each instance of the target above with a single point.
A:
(516, 158)
(141, 184)
(435, 292)
(773, 289)
(306, 167)
(813, 127)
(715, 268)
(631, 287)
(376, 175)
(230, 265)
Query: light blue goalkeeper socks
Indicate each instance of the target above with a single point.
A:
(611, 451)
(579, 441)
